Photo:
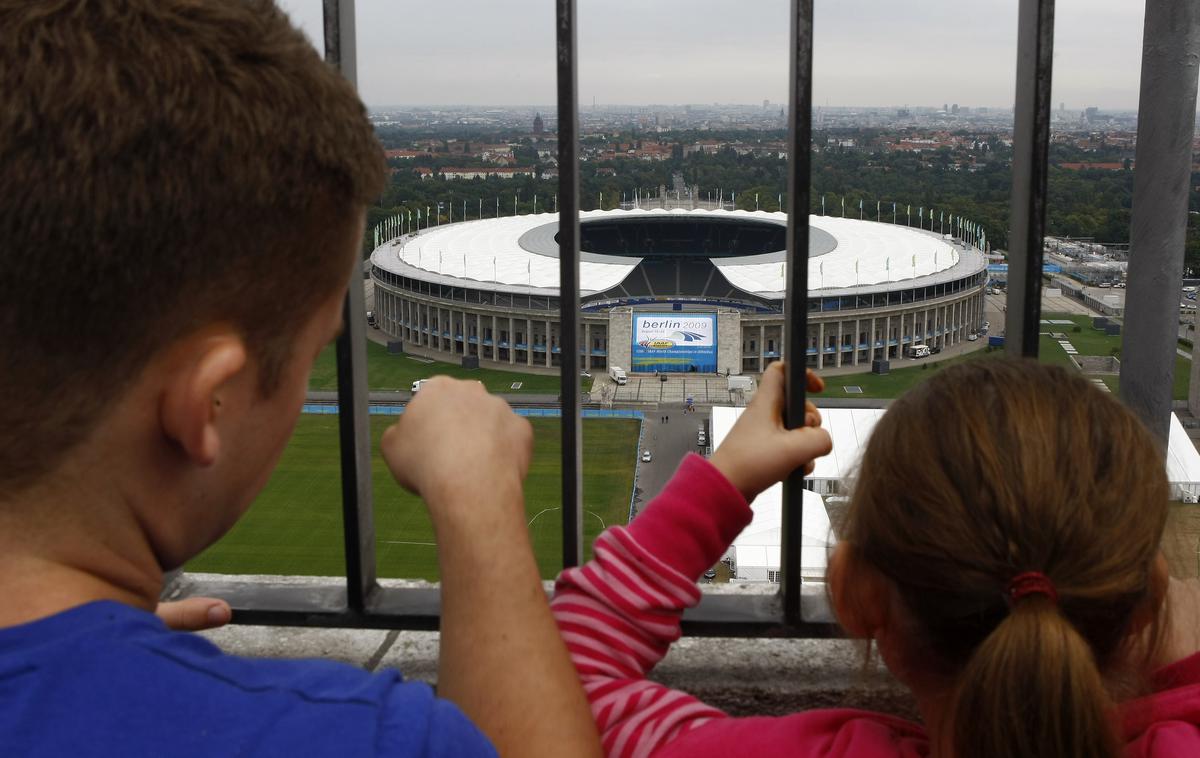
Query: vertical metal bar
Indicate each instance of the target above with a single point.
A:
(796, 301)
(354, 431)
(1031, 145)
(1161, 181)
(568, 285)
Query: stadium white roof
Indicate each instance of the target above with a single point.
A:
(490, 252)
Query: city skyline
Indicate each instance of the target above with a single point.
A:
(874, 54)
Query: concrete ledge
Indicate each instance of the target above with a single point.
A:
(741, 676)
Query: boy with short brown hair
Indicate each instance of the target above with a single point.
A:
(182, 194)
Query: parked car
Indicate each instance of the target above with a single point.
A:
(972, 337)
(710, 574)
(646, 457)
(371, 322)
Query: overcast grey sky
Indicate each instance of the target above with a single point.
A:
(868, 52)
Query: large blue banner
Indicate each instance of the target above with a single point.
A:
(674, 342)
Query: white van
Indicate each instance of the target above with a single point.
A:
(919, 351)
(416, 386)
(617, 374)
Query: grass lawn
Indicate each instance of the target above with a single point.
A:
(398, 372)
(892, 384)
(1089, 341)
(295, 525)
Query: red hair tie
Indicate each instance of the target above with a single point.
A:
(1031, 583)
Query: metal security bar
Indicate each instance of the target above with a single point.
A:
(1161, 182)
(800, 57)
(1031, 149)
(362, 603)
(354, 423)
(568, 283)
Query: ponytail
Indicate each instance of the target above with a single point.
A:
(986, 470)
(1031, 688)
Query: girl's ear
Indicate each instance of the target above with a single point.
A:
(1150, 608)
(858, 592)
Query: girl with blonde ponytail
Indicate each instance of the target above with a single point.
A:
(1000, 549)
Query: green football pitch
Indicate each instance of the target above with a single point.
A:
(295, 525)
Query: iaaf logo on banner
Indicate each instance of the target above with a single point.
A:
(665, 332)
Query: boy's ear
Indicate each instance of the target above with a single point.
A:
(859, 593)
(194, 390)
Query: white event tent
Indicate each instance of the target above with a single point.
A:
(755, 553)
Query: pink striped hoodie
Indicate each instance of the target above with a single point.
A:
(620, 613)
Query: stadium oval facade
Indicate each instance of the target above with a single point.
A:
(675, 290)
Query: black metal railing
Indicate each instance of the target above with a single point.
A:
(363, 603)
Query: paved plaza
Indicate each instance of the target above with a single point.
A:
(703, 390)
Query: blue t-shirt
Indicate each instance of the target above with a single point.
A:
(108, 679)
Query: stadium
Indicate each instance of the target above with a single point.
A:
(698, 291)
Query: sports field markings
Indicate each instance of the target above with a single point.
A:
(559, 508)
(418, 360)
(406, 542)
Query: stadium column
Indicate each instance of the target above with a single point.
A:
(587, 346)
(871, 342)
(820, 345)
(837, 354)
(528, 342)
(887, 337)
(549, 344)
(854, 354)
(495, 340)
(512, 341)
(762, 347)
